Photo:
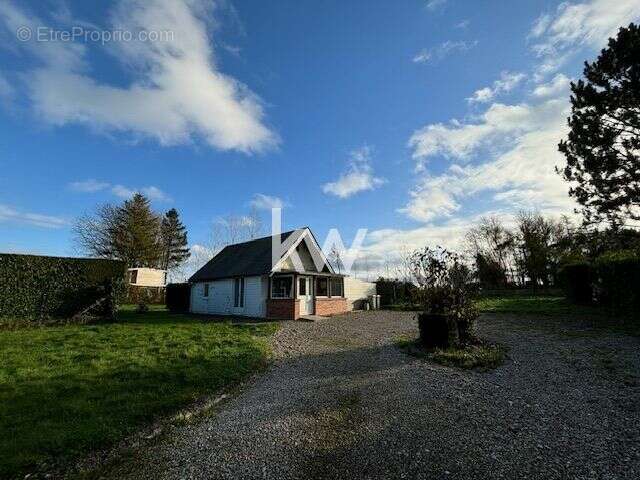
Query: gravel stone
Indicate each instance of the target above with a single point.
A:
(341, 401)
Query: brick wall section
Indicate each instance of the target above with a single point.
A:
(283, 308)
(331, 306)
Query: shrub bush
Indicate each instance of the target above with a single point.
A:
(36, 288)
(577, 282)
(178, 297)
(618, 281)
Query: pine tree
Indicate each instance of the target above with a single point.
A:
(602, 149)
(135, 233)
(174, 240)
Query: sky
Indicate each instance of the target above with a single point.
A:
(410, 119)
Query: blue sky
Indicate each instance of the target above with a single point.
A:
(410, 119)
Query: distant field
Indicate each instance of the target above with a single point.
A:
(67, 390)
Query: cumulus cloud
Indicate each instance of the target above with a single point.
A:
(497, 126)
(557, 86)
(92, 186)
(520, 167)
(10, 214)
(431, 55)
(266, 202)
(507, 82)
(358, 178)
(559, 35)
(177, 92)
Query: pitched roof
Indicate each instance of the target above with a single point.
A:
(244, 259)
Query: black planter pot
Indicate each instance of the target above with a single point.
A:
(438, 330)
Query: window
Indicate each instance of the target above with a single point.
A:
(322, 287)
(133, 277)
(336, 287)
(205, 292)
(238, 292)
(281, 287)
(302, 286)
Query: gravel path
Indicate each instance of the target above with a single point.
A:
(341, 401)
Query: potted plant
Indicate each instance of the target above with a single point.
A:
(444, 292)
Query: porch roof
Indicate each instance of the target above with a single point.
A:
(308, 274)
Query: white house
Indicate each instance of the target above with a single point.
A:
(285, 276)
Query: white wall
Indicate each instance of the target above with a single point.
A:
(355, 290)
(220, 299)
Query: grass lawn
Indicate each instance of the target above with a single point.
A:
(527, 304)
(481, 357)
(65, 391)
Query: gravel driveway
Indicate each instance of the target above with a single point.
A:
(341, 401)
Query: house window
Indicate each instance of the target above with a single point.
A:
(281, 287)
(337, 287)
(322, 287)
(238, 292)
(302, 286)
(205, 292)
(133, 277)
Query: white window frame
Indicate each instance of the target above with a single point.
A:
(238, 292)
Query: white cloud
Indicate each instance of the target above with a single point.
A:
(266, 202)
(358, 178)
(92, 186)
(557, 86)
(507, 82)
(521, 174)
(443, 50)
(463, 24)
(151, 192)
(435, 4)
(177, 92)
(560, 34)
(88, 186)
(10, 214)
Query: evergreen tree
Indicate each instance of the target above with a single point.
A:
(135, 233)
(603, 146)
(173, 236)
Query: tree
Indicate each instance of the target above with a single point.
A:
(173, 236)
(335, 259)
(603, 146)
(492, 246)
(135, 233)
(129, 232)
(233, 229)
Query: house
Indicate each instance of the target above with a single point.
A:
(283, 276)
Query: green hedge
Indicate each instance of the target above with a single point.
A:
(36, 288)
(618, 281)
(178, 297)
(577, 282)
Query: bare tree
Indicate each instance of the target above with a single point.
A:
(335, 258)
(232, 229)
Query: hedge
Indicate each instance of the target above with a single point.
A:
(37, 288)
(577, 282)
(618, 281)
(178, 297)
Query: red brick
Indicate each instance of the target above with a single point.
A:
(331, 306)
(283, 308)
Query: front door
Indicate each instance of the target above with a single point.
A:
(305, 295)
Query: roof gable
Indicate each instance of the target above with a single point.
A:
(244, 259)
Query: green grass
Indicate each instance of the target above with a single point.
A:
(527, 304)
(65, 391)
(482, 357)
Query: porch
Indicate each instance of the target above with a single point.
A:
(296, 294)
